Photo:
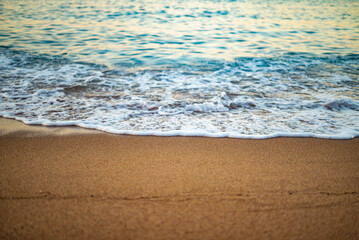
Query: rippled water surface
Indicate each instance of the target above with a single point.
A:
(152, 32)
(212, 68)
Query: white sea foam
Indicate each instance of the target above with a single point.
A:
(248, 98)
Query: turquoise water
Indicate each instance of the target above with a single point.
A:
(162, 32)
(212, 68)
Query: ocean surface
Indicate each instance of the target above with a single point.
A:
(246, 69)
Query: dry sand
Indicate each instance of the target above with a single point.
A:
(63, 183)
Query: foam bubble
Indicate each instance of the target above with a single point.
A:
(247, 98)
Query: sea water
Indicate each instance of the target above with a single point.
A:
(246, 68)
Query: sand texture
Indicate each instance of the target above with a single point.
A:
(103, 186)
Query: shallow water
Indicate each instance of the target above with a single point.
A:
(212, 68)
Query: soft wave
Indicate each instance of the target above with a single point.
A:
(293, 95)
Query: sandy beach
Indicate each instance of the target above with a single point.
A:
(69, 183)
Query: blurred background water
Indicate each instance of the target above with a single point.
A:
(180, 31)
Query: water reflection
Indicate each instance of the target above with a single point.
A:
(156, 32)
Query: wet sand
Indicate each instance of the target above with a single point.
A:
(66, 183)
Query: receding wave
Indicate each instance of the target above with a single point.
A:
(291, 95)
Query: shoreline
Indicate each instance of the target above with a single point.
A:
(66, 183)
(10, 125)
